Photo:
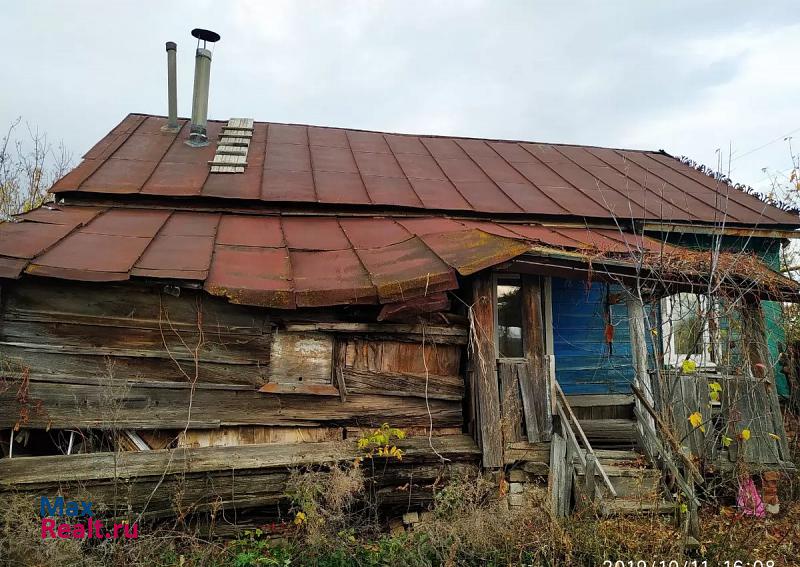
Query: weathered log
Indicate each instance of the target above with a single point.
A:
(98, 466)
(534, 385)
(484, 372)
(64, 406)
(404, 384)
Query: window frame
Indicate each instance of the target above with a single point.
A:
(705, 360)
(505, 276)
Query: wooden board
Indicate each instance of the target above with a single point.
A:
(510, 402)
(484, 372)
(534, 384)
(305, 358)
(65, 406)
(257, 434)
(403, 357)
(400, 384)
(97, 466)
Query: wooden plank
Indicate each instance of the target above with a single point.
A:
(95, 466)
(638, 334)
(557, 480)
(510, 402)
(130, 305)
(64, 406)
(485, 365)
(403, 384)
(401, 357)
(598, 400)
(96, 368)
(380, 328)
(301, 358)
(534, 386)
(252, 435)
(523, 451)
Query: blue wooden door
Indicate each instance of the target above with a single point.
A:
(586, 363)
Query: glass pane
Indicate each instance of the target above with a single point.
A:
(687, 324)
(509, 319)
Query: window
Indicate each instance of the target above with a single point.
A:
(685, 318)
(509, 317)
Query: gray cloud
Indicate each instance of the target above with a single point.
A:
(689, 77)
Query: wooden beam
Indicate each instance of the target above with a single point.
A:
(65, 406)
(638, 333)
(14, 473)
(535, 386)
(484, 362)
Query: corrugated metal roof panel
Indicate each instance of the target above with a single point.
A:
(330, 277)
(333, 166)
(470, 251)
(252, 276)
(308, 260)
(406, 269)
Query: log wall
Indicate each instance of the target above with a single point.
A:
(133, 357)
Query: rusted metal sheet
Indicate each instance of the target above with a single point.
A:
(373, 232)
(314, 233)
(251, 276)
(329, 277)
(174, 256)
(304, 260)
(250, 230)
(128, 222)
(27, 239)
(53, 214)
(295, 163)
(11, 268)
(407, 269)
(470, 251)
(97, 257)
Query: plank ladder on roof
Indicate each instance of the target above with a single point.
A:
(234, 142)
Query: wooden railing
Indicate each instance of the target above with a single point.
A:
(667, 454)
(586, 455)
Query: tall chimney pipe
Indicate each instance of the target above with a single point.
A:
(172, 88)
(202, 77)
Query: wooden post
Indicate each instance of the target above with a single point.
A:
(639, 351)
(560, 469)
(589, 485)
(536, 388)
(484, 363)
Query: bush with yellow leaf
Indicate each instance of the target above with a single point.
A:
(380, 443)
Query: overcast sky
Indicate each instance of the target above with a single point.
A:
(686, 76)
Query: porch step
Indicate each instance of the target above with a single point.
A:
(636, 482)
(640, 484)
(633, 506)
(610, 433)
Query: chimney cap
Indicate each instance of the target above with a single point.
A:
(205, 35)
(172, 46)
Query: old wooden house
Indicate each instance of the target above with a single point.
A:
(186, 323)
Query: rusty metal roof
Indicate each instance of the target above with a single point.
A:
(286, 260)
(299, 164)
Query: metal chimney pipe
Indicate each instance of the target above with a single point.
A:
(172, 88)
(202, 77)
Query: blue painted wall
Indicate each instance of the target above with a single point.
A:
(584, 362)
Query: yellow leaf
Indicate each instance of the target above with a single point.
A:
(776, 437)
(688, 366)
(696, 419)
(299, 518)
(745, 434)
(726, 441)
